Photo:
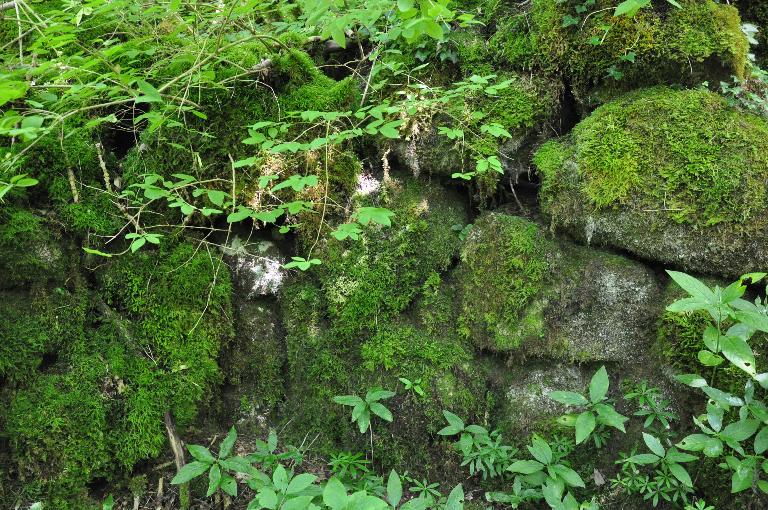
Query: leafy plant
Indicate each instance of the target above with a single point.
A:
(363, 408)
(414, 386)
(598, 410)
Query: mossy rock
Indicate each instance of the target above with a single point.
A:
(375, 278)
(673, 176)
(523, 108)
(526, 295)
(29, 251)
(253, 362)
(349, 328)
(103, 366)
(599, 53)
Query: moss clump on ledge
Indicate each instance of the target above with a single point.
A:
(498, 280)
(701, 41)
(675, 176)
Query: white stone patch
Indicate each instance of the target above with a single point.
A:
(257, 267)
(367, 184)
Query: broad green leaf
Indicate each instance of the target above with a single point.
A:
(380, 215)
(237, 464)
(755, 320)
(692, 380)
(374, 395)
(92, 251)
(710, 446)
(740, 430)
(455, 424)
(298, 503)
(680, 473)
(455, 499)
(214, 480)
(761, 441)
(228, 485)
(190, 471)
(394, 489)
(348, 400)
(709, 359)
(225, 448)
(687, 282)
(568, 475)
(739, 353)
(607, 415)
(643, 458)
(654, 444)
(540, 450)
(11, 90)
(381, 411)
(585, 424)
(630, 7)
(300, 482)
(150, 93)
(280, 478)
(201, 453)
(335, 495)
(598, 386)
(525, 467)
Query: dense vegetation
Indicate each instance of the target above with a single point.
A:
(416, 254)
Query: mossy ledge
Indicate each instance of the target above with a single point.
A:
(674, 176)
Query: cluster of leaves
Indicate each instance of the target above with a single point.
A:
(278, 486)
(547, 476)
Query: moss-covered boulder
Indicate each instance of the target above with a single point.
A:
(94, 370)
(349, 328)
(29, 251)
(676, 177)
(526, 295)
(599, 53)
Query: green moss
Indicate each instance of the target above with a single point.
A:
(415, 354)
(28, 251)
(371, 280)
(684, 152)
(512, 272)
(701, 41)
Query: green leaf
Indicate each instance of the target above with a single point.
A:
(654, 444)
(92, 251)
(151, 94)
(692, 380)
(630, 7)
(568, 398)
(374, 395)
(214, 480)
(201, 453)
(229, 485)
(585, 424)
(643, 458)
(455, 499)
(335, 495)
(300, 482)
(381, 411)
(380, 215)
(754, 320)
(740, 430)
(540, 450)
(237, 464)
(525, 467)
(455, 424)
(598, 386)
(710, 446)
(709, 359)
(568, 475)
(607, 415)
(10, 90)
(299, 503)
(687, 282)
(348, 400)
(190, 471)
(739, 353)
(280, 478)
(225, 448)
(345, 230)
(680, 473)
(389, 130)
(761, 441)
(394, 489)
(108, 504)
(216, 197)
